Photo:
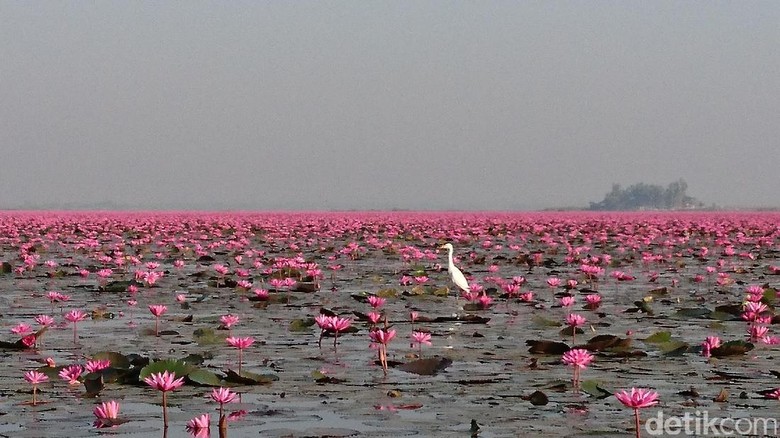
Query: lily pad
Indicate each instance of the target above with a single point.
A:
(594, 389)
(301, 325)
(732, 348)
(426, 367)
(248, 378)
(202, 377)
(172, 366)
(546, 347)
(207, 336)
(118, 360)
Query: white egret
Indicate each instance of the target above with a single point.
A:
(457, 277)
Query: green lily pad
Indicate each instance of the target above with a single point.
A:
(204, 378)
(117, 286)
(594, 389)
(247, 378)
(658, 338)
(175, 366)
(207, 336)
(301, 325)
(387, 293)
(193, 359)
(541, 321)
(673, 347)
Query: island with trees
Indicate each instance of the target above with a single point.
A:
(643, 196)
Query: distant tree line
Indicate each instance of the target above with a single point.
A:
(643, 196)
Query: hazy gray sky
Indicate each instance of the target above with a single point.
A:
(394, 104)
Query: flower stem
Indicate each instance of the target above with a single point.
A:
(165, 409)
(636, 423)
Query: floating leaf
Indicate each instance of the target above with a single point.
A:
(301, 325)
(193, 359)
(117, 360)
(541, 321)
(172, 366)
(387, 293)
(673, 347)
(658, 338)
(594, 388)
(732, 348)
(204, 378)
(93, 384)
(439, 291)
(607, 342)
(247, 378)
(661, 291)
(537, 398)
(426, 367)
(770, 296)
(6, 268)
(117, 286)
(322, 378)
(207, 336)
(546, 347)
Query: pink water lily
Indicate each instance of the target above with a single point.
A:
(164, 382)
(637, 399)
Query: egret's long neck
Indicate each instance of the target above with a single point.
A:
(449, 259)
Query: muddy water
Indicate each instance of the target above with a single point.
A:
(491, 371)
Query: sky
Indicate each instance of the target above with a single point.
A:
(422, 105)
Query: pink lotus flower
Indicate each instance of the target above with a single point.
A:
(579, 359)
(574, 320)
(199, 423)
(228, 320)
(157, 310)
(637, 399)
(222, 396)
(375, 301)
(93, 366)
(374, 317)
(484, 301)
(526, 297)
(709, 343)
(567, 301)
(29, 341)
(35, 378)
(75, 316)
(21, 329)
(241, 344)
(44, 320)
(421, 338)
(164, 382)
(382, 338)
(106, 414)
(71, 374)
(593, 299)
